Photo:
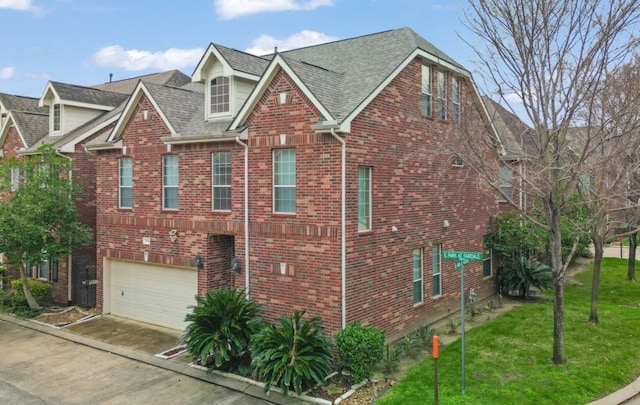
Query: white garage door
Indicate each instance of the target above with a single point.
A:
(152, 293)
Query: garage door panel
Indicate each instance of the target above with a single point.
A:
(151, 293)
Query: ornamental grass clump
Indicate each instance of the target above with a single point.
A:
(220, 329)
(294, 355)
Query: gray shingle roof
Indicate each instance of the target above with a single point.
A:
(89, 95)
(511, 130)
(20, 103)
(32, 125)
(242, 61)
(172, 78)
(179, 105)
(360, 65)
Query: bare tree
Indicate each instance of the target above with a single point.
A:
(552, 55)
(610, 143)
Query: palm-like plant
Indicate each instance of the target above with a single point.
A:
(524, 274)
(220, 327)
(293, 355)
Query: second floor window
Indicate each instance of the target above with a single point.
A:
(284, 181)
(426, 91)
(220, 95)
(126, 183)
(364, 198)
(221, 163)
(506, 183)
(455, 98)
(56, 117)
(170, 182)
(442, 95)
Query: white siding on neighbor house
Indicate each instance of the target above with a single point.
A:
(73, 117)
(151, 293)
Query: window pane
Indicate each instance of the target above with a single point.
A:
(221, 181)
(486, 262)
(126, 182)
(426, 91)
(506, 179)
(442, 95)
(364, 198)
(417, 276)
(220, 95)
(436, 272)
(170, 182)
(284, 180)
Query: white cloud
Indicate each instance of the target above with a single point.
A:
(264, 44)
(21, 5)
(7, 72)
(230, 9)
(135, 59)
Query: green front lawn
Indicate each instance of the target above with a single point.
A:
(507, 360)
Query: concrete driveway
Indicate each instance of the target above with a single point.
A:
(39, 368)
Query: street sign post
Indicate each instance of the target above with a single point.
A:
(463, 258)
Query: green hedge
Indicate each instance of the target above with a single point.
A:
(360, 349)
(41, 292)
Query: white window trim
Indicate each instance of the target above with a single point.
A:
(214, 186)
(370, 199)
(231, 111)
(275, 186)
(53, 118)
(421, 279)
(120, 186)
(437, 257)
(165, 186)
(506, 183)
(427, 69)
(455, 98)
(442, 94)
(16, 178)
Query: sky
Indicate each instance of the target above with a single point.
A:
(83, 41)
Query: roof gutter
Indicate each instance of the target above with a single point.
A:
(181, 140)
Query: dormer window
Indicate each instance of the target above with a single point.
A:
(56, 117)
(220, 95)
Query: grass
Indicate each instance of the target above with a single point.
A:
(507, 360)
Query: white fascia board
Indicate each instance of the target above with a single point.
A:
(87, 105)
(210, 56)
(277, 63)
(196, 76)
(127, 112)
(48, 89)
(416, 53)
(70, 146)
(487, 116)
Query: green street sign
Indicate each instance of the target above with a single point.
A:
(458, 265)
(462, 255)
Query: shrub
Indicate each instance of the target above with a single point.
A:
(524, 274)
(293, 355)
(360, 349)
(220, 328)
(390, 359)
(41, 293)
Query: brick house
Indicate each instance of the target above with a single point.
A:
(315, 179)
(68, 116)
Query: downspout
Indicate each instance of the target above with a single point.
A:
(343, 227)
(246, 215)
(69, 257)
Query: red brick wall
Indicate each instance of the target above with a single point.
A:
(415, 189)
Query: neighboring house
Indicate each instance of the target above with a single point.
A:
(516, 138)
(315, 179)
(68, 116)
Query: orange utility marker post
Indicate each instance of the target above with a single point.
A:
(434, 351)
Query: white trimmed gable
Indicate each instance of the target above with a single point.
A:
(213, 66)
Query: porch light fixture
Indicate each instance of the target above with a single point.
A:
(235, 265)
(199, 262)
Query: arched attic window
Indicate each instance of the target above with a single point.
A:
(220, 95)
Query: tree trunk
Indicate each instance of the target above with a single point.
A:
(33, 304)
(598, 245)
(631, 267)
(558, 283)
